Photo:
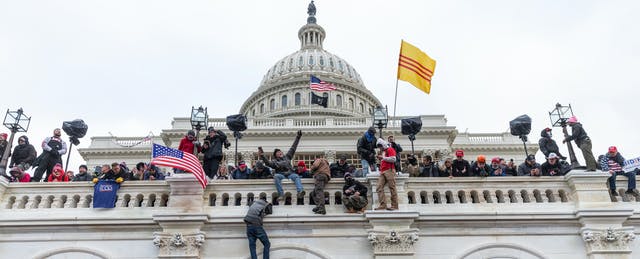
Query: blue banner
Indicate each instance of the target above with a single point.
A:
(105, 193)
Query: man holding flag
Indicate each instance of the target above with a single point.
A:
(165, 156)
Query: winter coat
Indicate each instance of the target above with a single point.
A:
(60, 178)
(265, 174)
(257, 211)
(239, 174)
(367, 148)
(157, 174)
(458, 166)
(477, 170)
(398, 149)
(23, 153)
(430, 170)
(215, 145)
(494, 171)
(547, 168)
(604, 162)
(187, 145)
(321, 166)
(524, 169)
(82, 177)
(283, 165)
(338, 170)
(355, 186)
(578, 134)
(547, 144)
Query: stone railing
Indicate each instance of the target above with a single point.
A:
(124, 142)
(315, 122)
(19, 196)
(420, 192)
(486, 138)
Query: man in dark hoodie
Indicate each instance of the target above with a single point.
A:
(355, 194)
(212, 151)
(582, 141)
(82, 175)
(366, 148)
(613, 162)
(282, 167)
(254, 219)
(23, 154)
(548, 145)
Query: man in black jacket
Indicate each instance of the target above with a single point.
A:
(253, 219)
(548, 145)
(552, 167)
(398, 149)
(212, 150)
(367, 150)
(355, 194)
(52, 150)
(582, 141)
(23, 154)
(281, 164)
(338, 169)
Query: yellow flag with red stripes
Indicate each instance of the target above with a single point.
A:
(415, 67)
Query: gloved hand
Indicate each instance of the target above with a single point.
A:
(299, 134)
(95, 180)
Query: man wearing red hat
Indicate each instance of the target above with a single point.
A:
(461, 167)
(613, 163)
(582, 141)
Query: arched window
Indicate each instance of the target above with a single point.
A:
(253, 112)
(321, 61)
(340, 66)
(272, 104)
(361, 107)
(283, 102)
(339, 100)
(296, 99)
(331, 62)
(351, 104)
(262, 108)
(311, 61)
(290, 63)
(300, 61)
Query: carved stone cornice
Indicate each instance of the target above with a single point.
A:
(393, 242)
(610, 240)
(172, 245)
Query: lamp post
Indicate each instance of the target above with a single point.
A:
(380, 118)
(559, 117)
(199, 119)
(15, 121)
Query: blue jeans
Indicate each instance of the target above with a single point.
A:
(257, 232)
(631, 180)
(365, 167)
(277, 178)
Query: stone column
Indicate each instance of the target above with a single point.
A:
(392, 235)
(601, 219)
(401, 181)
(181, 235)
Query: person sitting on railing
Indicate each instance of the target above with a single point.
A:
(281, 164)
(17, 175)
(153, 173)
(412, 168)
(302, 170)
(321, 176)
(496, 168)
(529, 167)
(354, 194)
(260, 171)
(338, 169)
(480, 167)
(82, 175)
(552, 167)
(366, 148)
(461, 167)
(242, 172)
(446, 169)
(613, 163)
(58, 174)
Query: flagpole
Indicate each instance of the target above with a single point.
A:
(395, 100)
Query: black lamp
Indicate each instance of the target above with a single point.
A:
(380, 118)
(199, 119)
(559, 117)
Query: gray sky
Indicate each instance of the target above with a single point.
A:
(129, 67)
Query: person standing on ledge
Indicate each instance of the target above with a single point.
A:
(613, 162)
(282, 167)
(366, 148)
(387, 175)
(253, 219)
(582, 141)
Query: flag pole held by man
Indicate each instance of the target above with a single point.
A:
(165, 156)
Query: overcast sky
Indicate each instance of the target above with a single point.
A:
(129, 67)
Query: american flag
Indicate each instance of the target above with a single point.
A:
(170, 157)
(321, 86)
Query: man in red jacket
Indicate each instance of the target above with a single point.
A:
(188, 143)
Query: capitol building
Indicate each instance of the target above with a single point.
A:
(571, 216)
